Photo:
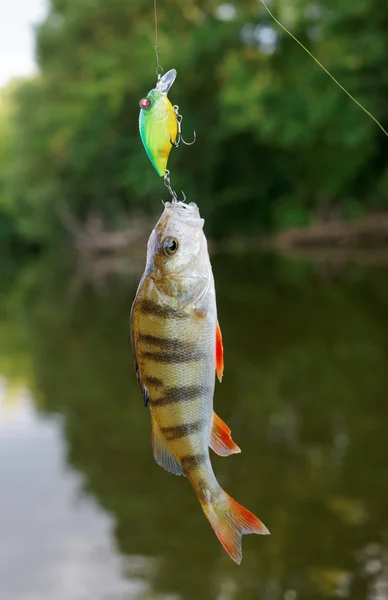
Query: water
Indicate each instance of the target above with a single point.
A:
(85, 513)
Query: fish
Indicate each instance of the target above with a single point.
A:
(158, 125)
(178, 349)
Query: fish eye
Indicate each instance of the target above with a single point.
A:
(170, 246)
(145, 103)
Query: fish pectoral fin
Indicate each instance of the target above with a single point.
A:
(134, 340)
(220, 439)
(162, 454)
(143, 389)
(219, 353)
(146, 397)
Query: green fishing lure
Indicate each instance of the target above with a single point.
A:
(160, 123)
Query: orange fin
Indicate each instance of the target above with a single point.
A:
(220, 439)
(230, 522)
(219, 353)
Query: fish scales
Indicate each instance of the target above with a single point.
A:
(179, 402)
(177, 346)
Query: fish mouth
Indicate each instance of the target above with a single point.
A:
(164, 84)
(185, 213)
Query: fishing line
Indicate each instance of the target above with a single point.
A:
(324, 68)
(159, 68)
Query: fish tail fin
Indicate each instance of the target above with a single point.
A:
(230, 522)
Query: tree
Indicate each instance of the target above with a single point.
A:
(278, 142)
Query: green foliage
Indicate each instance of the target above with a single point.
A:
(275, 135)
(6, 222)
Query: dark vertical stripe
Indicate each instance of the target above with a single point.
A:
(174, 358)
(183, 393)
(168, 345)
(180, 431)
(193, 461)
(153, 382)
(148, 307)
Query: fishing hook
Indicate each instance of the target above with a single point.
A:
(167, 183)
(179, 137)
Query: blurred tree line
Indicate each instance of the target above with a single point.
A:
(278, 144)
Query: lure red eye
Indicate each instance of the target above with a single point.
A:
(145, 103)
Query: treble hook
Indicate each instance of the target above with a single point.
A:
(179, 137)
(167, 183)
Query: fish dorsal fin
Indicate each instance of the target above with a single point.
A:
(219, 353)
(162, 454)
(220, 439)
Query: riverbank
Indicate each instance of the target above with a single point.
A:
(361, 241)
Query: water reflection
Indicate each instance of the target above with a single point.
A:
(305, 393)
(56, 542)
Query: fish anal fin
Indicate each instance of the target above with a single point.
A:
(220, 439)
(219, 353)
(162, 454)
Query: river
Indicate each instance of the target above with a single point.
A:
(85, 512)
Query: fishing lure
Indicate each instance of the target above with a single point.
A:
(160, 123)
